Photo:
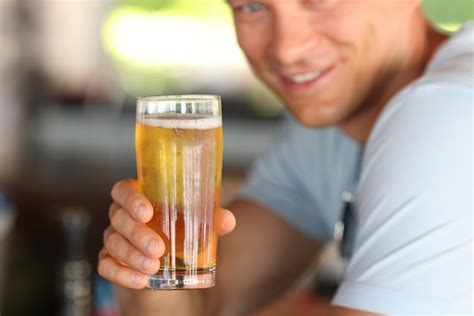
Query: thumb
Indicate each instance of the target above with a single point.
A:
(227, 222)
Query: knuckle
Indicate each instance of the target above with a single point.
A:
(117, 218)
(137, 235)
(150, 270)
(154, 267)
(132, 200)
(102, 253)
(111, 241)
(115, 275)
(105, 235)
(129, 254)
(112, 209)
(118, 185)
(143, 263)
(102, 268)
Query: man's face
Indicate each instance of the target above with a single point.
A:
(324, 58)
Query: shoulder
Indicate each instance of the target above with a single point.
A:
(421, 144)
(414, 208)
(414, 199)
(453, 62)
(438, 101)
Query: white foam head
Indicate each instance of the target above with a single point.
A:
(198, 122)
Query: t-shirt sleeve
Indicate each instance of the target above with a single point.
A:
(275, 181)
(413, 250)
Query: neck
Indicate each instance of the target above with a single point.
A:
(425, 41)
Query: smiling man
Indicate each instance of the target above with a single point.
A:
(381, 106)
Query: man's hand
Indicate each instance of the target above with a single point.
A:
(131, 249)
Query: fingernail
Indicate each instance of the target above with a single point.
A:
(146, 263)
(152, 246)
(138, 279)
(139, 211)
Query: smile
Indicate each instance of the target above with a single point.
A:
(306, 77)
(306, 81)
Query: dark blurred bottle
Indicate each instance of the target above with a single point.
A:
(74, 277)
(7, 217)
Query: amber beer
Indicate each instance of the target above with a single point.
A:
(179, 163)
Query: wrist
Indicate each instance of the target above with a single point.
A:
(155, 303)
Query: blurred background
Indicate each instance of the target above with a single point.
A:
(69, 74)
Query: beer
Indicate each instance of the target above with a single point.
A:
(179, 163)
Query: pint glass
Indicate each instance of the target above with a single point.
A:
(179, 162)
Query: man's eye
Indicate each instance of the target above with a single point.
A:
(251, 7)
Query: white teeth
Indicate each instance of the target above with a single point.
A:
(302, 78)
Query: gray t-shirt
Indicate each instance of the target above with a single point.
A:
(413, 248)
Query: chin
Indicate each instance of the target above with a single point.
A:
(317, 117)
(314, 123)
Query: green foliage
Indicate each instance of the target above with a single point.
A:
(151, 5)
(195, 8)
(449, 11)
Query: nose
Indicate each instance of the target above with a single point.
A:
(293, 37)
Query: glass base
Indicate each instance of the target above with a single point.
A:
(182, 279)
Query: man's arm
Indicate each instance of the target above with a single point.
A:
(258, 261)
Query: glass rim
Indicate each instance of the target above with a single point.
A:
(180, 97)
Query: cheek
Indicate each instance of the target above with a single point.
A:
(344, 22)
(253, 41)
(351, 33)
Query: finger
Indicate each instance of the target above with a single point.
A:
(142, 237)
(122, 251)
(121, 275)
(227, 222)
(102, 253)
(106, 233)
(113, 208)
(126, 194)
